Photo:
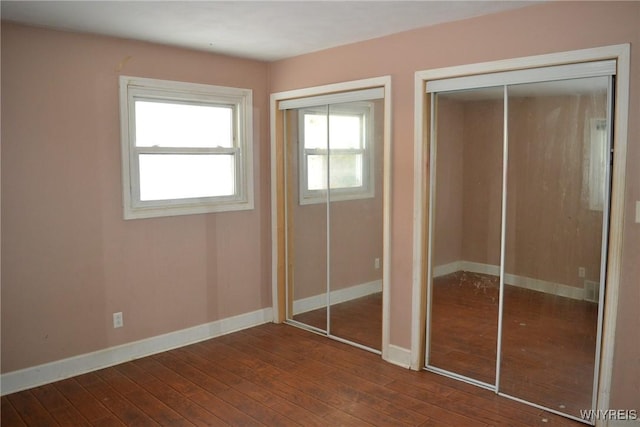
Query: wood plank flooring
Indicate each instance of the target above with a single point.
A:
(548, 341)
(358, 320)
(274, 375)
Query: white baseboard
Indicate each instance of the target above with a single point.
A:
(23, 379)
(511, 279)
(341, 295)
(398, 356)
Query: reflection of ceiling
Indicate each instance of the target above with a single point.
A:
(265, 30)
(585, 86)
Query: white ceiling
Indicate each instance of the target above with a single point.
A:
(264, 30)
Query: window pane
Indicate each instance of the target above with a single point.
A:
(317, 172)
(598, 157)
(164, 124)
(345, 131)
(180, 176)
(315, 131)
(346, 171)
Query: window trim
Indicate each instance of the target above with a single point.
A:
(597, 153)
(241, 102)
(366, 110)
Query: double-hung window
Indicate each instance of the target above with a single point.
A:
(598, 156)
(186, 148)
(336, 152)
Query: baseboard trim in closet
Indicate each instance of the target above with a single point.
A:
(340, 295)
(511, 279)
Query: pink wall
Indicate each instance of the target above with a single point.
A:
(356, 226)
(483, 135)
(551, 231)
(448, 225)
(546, 28)
(69, 259)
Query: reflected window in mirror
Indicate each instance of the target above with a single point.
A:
(336, 151)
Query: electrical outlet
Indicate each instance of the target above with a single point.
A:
(376, 263)
(581, 272)
(118, 320)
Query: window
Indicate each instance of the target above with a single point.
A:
(186, 148)
(338, 153)
(598, 157)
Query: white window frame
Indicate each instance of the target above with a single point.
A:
(597, 152)
(239, 100)
(365, 110)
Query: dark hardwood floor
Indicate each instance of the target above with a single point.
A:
(274, 375)
(358, 320)
(548, 344)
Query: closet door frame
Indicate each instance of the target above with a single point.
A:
(279, 198)
(423, 139)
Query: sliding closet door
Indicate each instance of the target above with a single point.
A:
(307, 217)
(355, 212)
(334, 163)
(465, 225)
(556, 212)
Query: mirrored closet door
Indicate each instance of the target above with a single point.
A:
(466, 233)
(556, 207)
(519, 205)
(334, 164)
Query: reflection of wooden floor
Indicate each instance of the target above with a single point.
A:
(358, 320)
(548, 341)
(464, 316)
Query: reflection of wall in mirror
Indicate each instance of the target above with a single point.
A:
(551, 230)
(356, 229)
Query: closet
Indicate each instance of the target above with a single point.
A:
(518, 230)
(333, 181)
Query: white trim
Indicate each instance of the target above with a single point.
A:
(399, 356)
(616, 221)
(420, 156)
(503, 230)
(336, 297)
(274, 209)
(333, 98)
(545, 286)
(386, 220)
(385, 82)
(333, 87)
(546, 60)
(54, 371)
(519, 281)
(621, 53)
(241, 102)
(559, 72)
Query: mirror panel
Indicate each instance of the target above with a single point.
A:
(306, 222)
(558, 149)
(356, 221)
(466, 233)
